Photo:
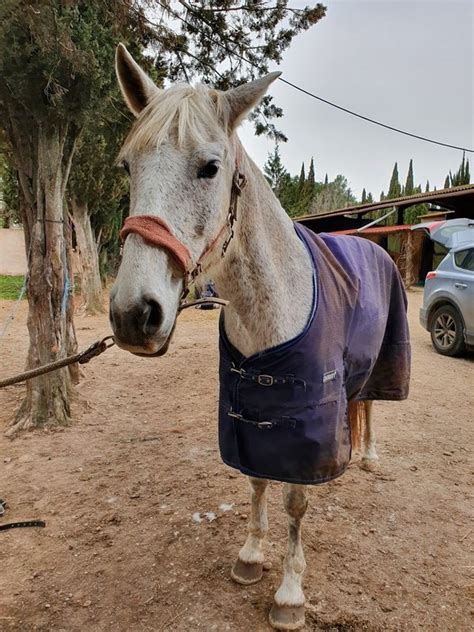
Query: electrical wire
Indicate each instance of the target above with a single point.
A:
(303, 90)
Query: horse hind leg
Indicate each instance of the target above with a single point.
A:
(288, 610)
(248, 569)
(369, 455)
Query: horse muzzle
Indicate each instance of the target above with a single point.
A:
(139, 328)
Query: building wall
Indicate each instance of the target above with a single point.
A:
(12, 252)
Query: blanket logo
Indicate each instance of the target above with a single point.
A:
(329, 376)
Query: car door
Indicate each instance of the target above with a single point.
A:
(464, 288)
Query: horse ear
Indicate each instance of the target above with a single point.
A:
(136, 86)
(245, 97)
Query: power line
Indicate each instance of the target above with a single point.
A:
(299, 88)
(370, 120)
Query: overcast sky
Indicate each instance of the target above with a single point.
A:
(409, 64)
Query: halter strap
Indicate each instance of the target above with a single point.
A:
(156, 232)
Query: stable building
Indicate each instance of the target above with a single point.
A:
(384, 223)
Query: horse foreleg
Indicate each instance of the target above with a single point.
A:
(287, 612)
(248, 568)
(369, 455)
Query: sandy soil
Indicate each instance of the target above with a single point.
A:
(118, 490)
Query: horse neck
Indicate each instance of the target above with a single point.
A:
(266, 273)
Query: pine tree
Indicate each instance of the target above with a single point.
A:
(394, 189)
(274, 170)
(364, 197)
(409, 184)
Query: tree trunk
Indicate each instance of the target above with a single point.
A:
(91, 285)
(43, 179)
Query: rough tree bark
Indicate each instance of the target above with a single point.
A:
(43, 163)
(91, 285)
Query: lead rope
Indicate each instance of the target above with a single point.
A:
(96, 349)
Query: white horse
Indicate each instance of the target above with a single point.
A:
(182, 156)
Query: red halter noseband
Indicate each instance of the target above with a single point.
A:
(156, 232)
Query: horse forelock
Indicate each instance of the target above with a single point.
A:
(184, 115)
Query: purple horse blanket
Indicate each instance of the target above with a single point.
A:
(283, 411)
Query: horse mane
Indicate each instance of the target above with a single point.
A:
(190, 115)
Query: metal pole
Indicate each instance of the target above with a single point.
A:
(379, 219)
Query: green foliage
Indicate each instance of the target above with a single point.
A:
(213, 39)
(10, 287)
(364, 197)
(310, 180)
(9, 192)
(302, 179)
(274, 170)
(462, 175)
(409, 184)
(335, 194)
(394, 189)
(53, 55)
(300, 195)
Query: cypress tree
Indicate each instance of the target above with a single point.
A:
(446, 182)
(302, 180)
(310, 180)
(370, 199)
(382, 196)
(462, 175)
(427, 186)
(364, 197)
(409, 184)
(394, 189)
(326, 180)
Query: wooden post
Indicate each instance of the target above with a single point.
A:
(409, 275)
(400, 215)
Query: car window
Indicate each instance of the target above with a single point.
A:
(443, 233)
(439, 254)
(465, 259)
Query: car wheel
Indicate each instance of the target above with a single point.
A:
(447, 331)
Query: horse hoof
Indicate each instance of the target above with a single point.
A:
(286, 617)
(370, 465)
(247, 573)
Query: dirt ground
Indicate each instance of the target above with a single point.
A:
(118, 489)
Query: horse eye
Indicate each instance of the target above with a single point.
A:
(208, 171)
(126, 166)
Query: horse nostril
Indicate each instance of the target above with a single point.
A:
(153, 317)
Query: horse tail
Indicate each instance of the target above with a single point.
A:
(357, 419)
